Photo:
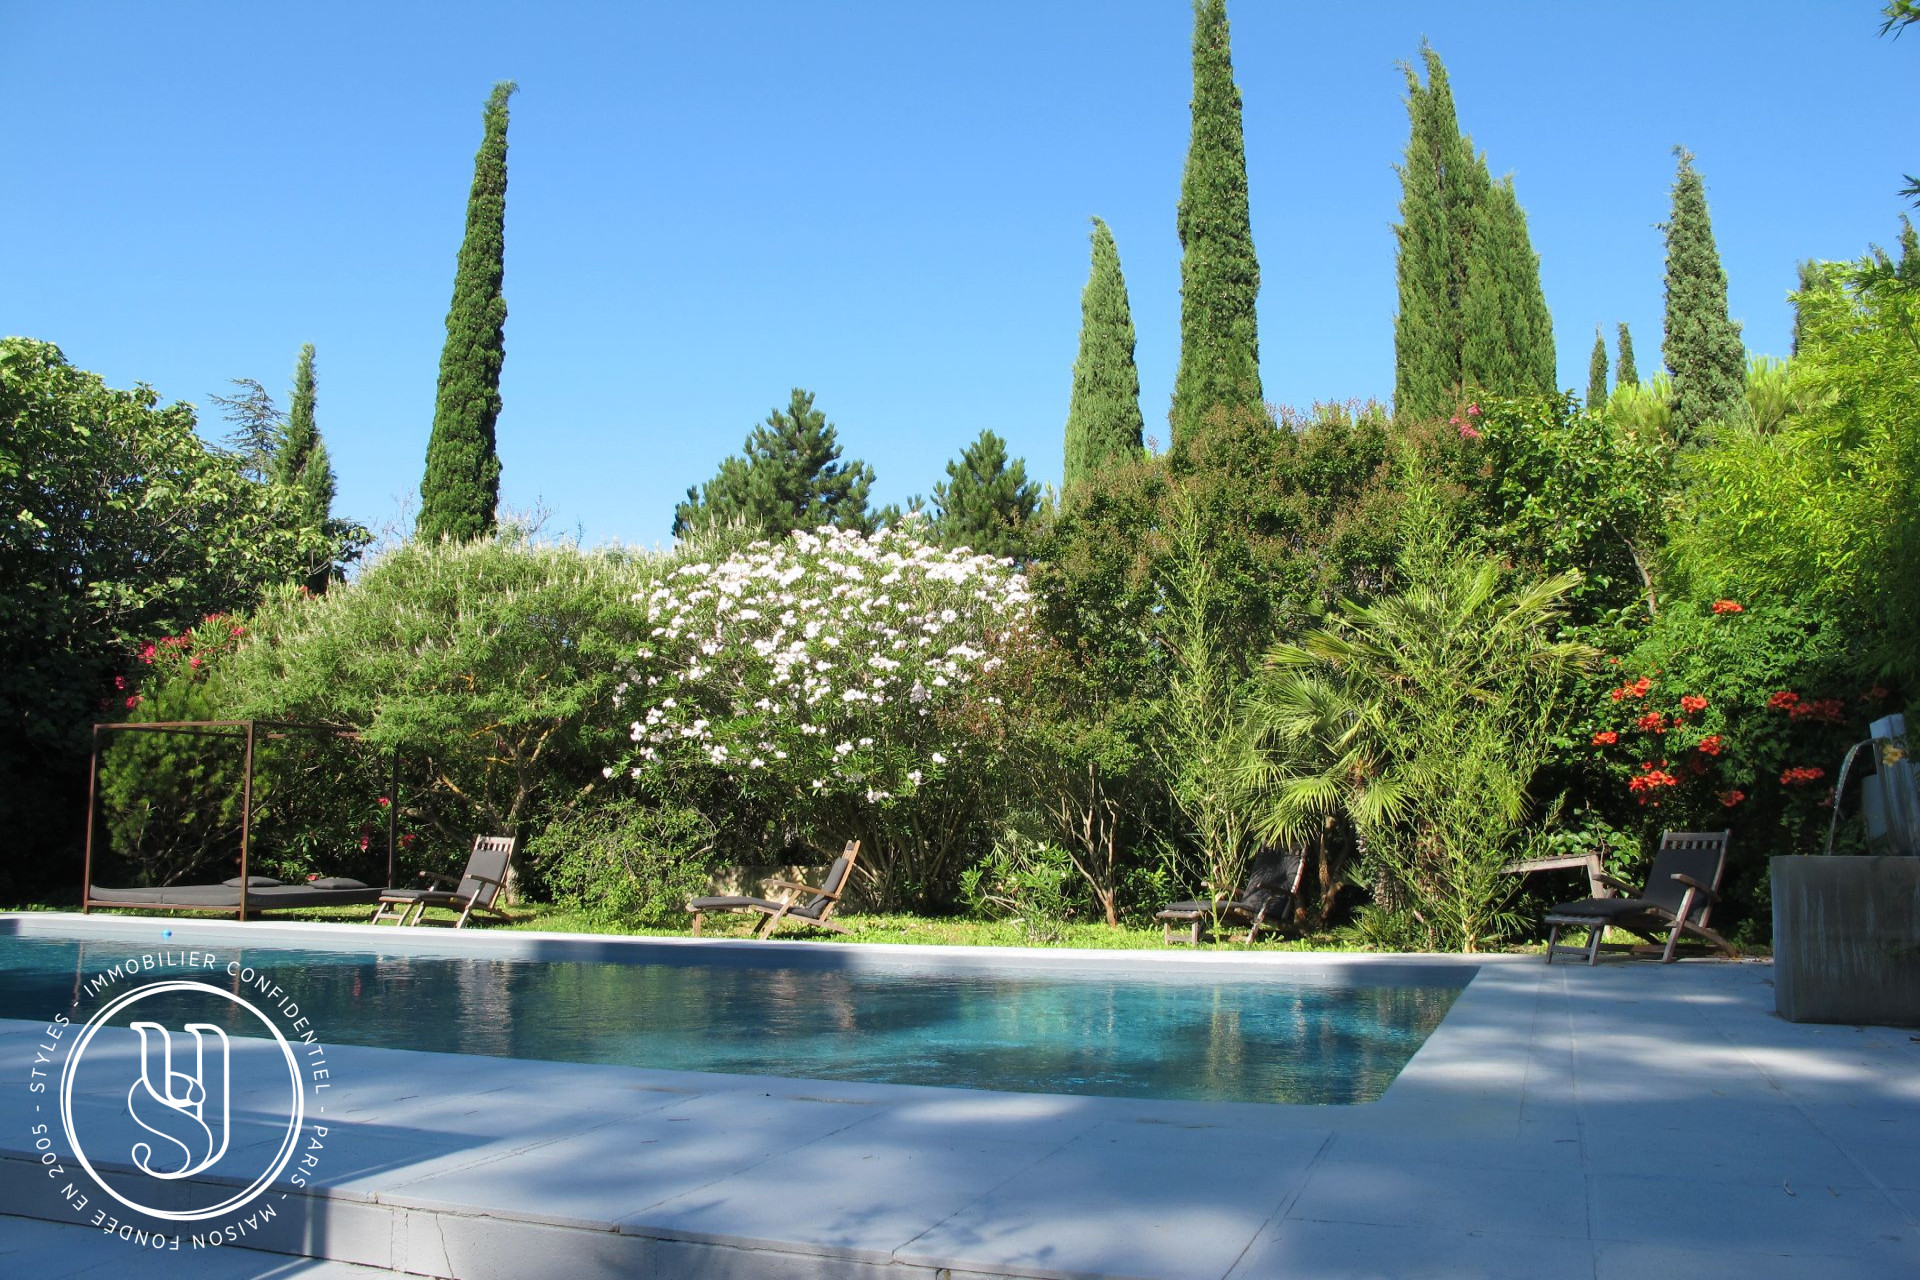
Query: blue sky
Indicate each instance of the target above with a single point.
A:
(885, 203)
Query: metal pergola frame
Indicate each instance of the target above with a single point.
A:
(252, 731)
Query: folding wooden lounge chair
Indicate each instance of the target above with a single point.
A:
(478, 886)
(812, 913)
(1681, 889)
(1265, 903)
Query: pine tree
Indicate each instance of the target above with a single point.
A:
(789, 476)
(1702, 345)
(1219, 274)
(1597, 373)
(1506, 335)
(301, 463)
(258, 427)
(1103, 420)
(986, 503)
(1443, 184)
(1628, 374)
(461, 487)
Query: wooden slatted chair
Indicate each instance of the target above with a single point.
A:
(812, 912)
(1265, 903)
(475, 890)
(1678, 898)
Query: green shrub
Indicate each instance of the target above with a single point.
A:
(625, 859)
(1027, 881)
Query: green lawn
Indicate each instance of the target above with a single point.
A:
(950, 931)
(953, 931)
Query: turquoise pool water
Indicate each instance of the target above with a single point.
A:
(1186, 1031)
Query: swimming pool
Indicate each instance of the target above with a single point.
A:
(1123, 1026)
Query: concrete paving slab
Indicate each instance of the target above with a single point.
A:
(55, 1251)
(1345, 1251)
(1684, 1212)
(850, 1194)
(1616, 1260)
(1396, 1193)
(1184, 1206)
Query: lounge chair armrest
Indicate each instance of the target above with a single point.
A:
(1631, 890)
(1695, 885)
(799, 888)
(498, 884)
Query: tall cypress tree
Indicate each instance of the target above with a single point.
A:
(1472, 314)
(1219, 274)
(1441, 183)
(461, 487)
(1702, 345)
(1506, 335)
(986, 502)
(1597, 373)
(301, 463)
(1103, 420)
(1628, 375)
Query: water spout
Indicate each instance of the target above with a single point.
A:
(1840, 789)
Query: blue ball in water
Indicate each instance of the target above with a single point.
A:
(166, 933)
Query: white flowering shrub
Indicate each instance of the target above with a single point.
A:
(832, 683)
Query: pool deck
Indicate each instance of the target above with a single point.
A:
(1630, 1121)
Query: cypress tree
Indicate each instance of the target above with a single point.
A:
(789, 476)
(1443, 190)
(461, 487)
(1628, 374)
(1506, 335)
(1219, 274)
(301, 463)
(1702, 345)
(985, 502)
(1103, 420)
(1597, 373)
(1472, 314)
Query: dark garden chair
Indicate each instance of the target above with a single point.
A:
(1266, 902)
(1678, 899)
(803, 905)
(476, 889)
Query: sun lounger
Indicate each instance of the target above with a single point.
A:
(803, 904)
(1681, 889)
(1265, 903)
(262, 894)
(478, 886)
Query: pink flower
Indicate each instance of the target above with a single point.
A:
(1468, 432)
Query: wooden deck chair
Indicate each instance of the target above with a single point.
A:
(1265, 902)
(476, 889)
(813, 912)
(1681, 890)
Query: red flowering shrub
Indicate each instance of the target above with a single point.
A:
(1636, 689)
(1711, 744)
(1605, 738)
(1728, 606)
(1824, 710)
(1646, 785)
(1693, 704)
(1652, 722)
(1732, 798)
(1783, 700)
(1801, 775)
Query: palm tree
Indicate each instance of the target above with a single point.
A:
(1421, 720)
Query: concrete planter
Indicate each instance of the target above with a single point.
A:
(1846, 940)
